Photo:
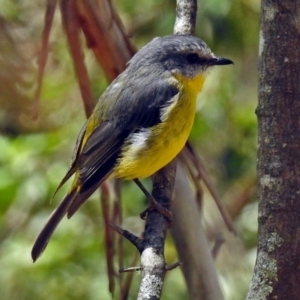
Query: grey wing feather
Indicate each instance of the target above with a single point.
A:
(72, 167)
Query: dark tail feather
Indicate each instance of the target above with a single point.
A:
(88, 187)
(44, 236)
(70, 204)
(83, 195)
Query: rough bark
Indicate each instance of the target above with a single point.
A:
(277, 269)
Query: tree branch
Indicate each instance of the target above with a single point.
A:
(152, 257)
(186, 12)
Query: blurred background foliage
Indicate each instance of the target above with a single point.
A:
(35, 153)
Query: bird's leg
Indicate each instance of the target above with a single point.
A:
(153, 204)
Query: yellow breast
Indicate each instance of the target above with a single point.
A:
(153, 148)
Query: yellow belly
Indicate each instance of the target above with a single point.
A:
(153, 148)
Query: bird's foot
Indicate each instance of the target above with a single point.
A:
(154, 205)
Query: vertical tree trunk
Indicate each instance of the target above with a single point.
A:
(277, 269)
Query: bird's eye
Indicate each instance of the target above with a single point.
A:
(192, 58)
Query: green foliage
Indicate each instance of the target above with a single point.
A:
(31, 165)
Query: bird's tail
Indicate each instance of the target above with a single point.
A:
(44, 236)
(69, 205)
(81, 190)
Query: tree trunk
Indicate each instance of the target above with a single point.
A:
(277, 269)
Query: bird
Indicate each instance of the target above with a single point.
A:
(140, 123)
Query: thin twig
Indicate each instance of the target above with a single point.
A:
(195, 176)
(130, 269)
(203, 174)
(43, 55)
(219, 241)
(136, 241)
(118, 219)
(71, 25)
(173, 266)
(127, 282)
(109, 236)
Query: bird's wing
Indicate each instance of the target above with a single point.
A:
(99, 144)
(82, 187)
(96, 161)
(136, 108)
(72, 167)
(140, 105)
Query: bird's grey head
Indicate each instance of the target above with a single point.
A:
(180, 54)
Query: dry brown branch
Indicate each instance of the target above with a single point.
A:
(128, 280)
(71, 25)
(117, 218)
(43, 55)
(108, 236)
(191, 154)
(105, 35)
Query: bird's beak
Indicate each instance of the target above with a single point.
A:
(220, 61)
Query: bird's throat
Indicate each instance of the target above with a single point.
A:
(194, 85)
